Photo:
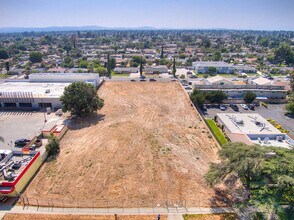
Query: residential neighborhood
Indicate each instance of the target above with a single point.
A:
(146, 110)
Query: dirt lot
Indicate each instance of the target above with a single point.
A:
(146, 148)
(79, 217)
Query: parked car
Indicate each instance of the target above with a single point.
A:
(244, 106)
(142, 80)
(204, 108)
(188, 88)
(132, 80)
(223, 107)
(251, 106)
(38, 143)
(21, 142)
(59, 112)
(152, 80)
(234, 107)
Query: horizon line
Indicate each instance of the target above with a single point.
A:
(30, 28)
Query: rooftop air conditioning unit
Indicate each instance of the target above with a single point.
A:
(47, 91)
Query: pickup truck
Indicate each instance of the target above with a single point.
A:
(21, 142)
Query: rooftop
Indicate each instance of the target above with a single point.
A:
(247, 123)
(38, 90)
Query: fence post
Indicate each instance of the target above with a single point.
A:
(23, 202)
(28, 203)
(37, 204)
(107, 206)
(52, 204)
(93, 205)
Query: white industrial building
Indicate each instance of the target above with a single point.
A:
(41, 91)
(253, 129)
(221, 67)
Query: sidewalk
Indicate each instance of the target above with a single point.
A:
(103, 211)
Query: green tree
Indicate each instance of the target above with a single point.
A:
(265, 173)
(174, 67)
(7, 67)
(238, 159)
(67, 62)
(217, 56)
(216, 96)
(112, 63)
(81, 99)
(212, 70)
(141, 67)
(197, 97)
(83, 64)
(249, 97)
(36, 57)
(290, 108)
(292, 80)
(108, 65)
(101, 70)
(52, 147)
(3, 54)
(284, 53)
(162, 53)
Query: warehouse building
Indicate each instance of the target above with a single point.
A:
(41, 91)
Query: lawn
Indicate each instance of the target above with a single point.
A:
(216, 131)
(120, 74)
(3, 76)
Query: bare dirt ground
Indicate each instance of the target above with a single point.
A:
(146, 147)
(79, 217)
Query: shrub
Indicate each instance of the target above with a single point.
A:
(264, 104)
(52, 147)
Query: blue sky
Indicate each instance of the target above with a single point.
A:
(235, 14)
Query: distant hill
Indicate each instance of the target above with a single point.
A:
(66, 28)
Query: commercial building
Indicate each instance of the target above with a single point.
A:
(264, 91)
(253, 129)
(42, 90)
(156, 69)
(126, 70)
(221, 67)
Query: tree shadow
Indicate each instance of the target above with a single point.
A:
(231, 193)
(84, 122)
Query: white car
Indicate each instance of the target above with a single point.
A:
(245, 107)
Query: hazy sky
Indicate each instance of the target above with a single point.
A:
(235, 14)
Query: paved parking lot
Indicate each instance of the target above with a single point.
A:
(16, 125)
(275, 112)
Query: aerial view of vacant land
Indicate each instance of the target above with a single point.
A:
(146, 147)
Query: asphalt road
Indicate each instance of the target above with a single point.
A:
(275, 112)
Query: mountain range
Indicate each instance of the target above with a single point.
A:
(66, 28)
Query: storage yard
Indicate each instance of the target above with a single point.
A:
(147, 147)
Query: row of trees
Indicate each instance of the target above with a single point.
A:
(198, 97)
(290, 106)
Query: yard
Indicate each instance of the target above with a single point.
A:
(146, 148)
